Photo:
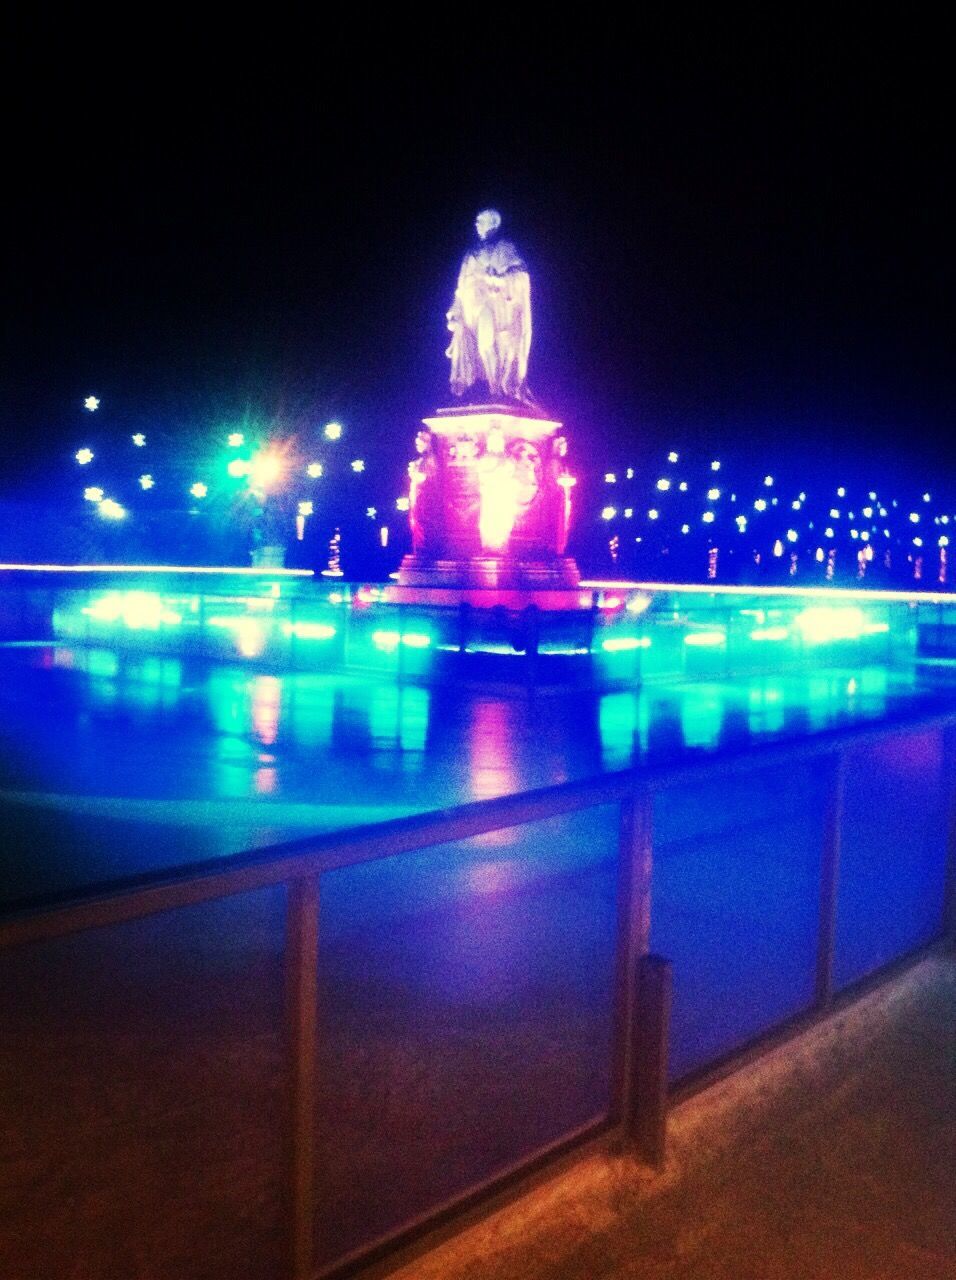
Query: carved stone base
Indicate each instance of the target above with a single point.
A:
(491, 572)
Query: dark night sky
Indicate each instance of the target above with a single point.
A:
(735, 245)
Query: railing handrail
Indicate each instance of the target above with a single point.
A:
(114, 902)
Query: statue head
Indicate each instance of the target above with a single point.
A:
(487, 222)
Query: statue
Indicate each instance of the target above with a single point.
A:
(490, 318)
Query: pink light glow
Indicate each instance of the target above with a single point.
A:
(498, 487)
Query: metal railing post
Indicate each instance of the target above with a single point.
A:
(301, 972)
(830, 877)
(649, 1129)
(635, 864)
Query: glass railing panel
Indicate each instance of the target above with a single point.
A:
(893, 852)
(735, 905)
(465, 1016)
(142, 1097)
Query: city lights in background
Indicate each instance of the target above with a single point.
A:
(738, 525)
(694, 518)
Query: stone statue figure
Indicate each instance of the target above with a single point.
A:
(490, 318)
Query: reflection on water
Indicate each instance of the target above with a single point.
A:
(200, 759)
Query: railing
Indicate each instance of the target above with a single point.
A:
(639, 1053)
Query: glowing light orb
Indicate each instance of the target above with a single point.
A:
(333, 431)
(235, 439)
(841, 492)
(741, 523)
(778, 548)
(610, 478)
(713, 495)
(198, 490)
(91, 403)
(683, 486)
(791, 535)
(402, 504)
(314, 470)
(83, 456)
(715, 465)
(914, 517)
(371, 512)
(111, 510)
(653, 513)
(238, 467)
(663, 484)
(708, 517)
(609, 513)
(685, 528)
(306, 509)
(265, 469)
(768, 481)
(139, 439)
(672, 457)
(760, 504)
(146, 482)
(93, 494)
(358, 464)
(706, 639)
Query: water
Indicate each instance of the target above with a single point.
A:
(114, 764)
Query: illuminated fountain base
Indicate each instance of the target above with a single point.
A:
(490, 503)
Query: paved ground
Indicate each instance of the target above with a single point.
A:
(833, 1157)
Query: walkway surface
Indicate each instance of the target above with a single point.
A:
(834, 1156)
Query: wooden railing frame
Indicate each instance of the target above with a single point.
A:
(639, 1050)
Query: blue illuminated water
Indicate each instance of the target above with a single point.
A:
(115, 763)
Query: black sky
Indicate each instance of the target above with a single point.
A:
(737, 243)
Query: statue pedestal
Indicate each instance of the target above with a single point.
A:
(490, 502)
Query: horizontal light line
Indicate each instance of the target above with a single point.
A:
(819, 593)
(231, 570)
